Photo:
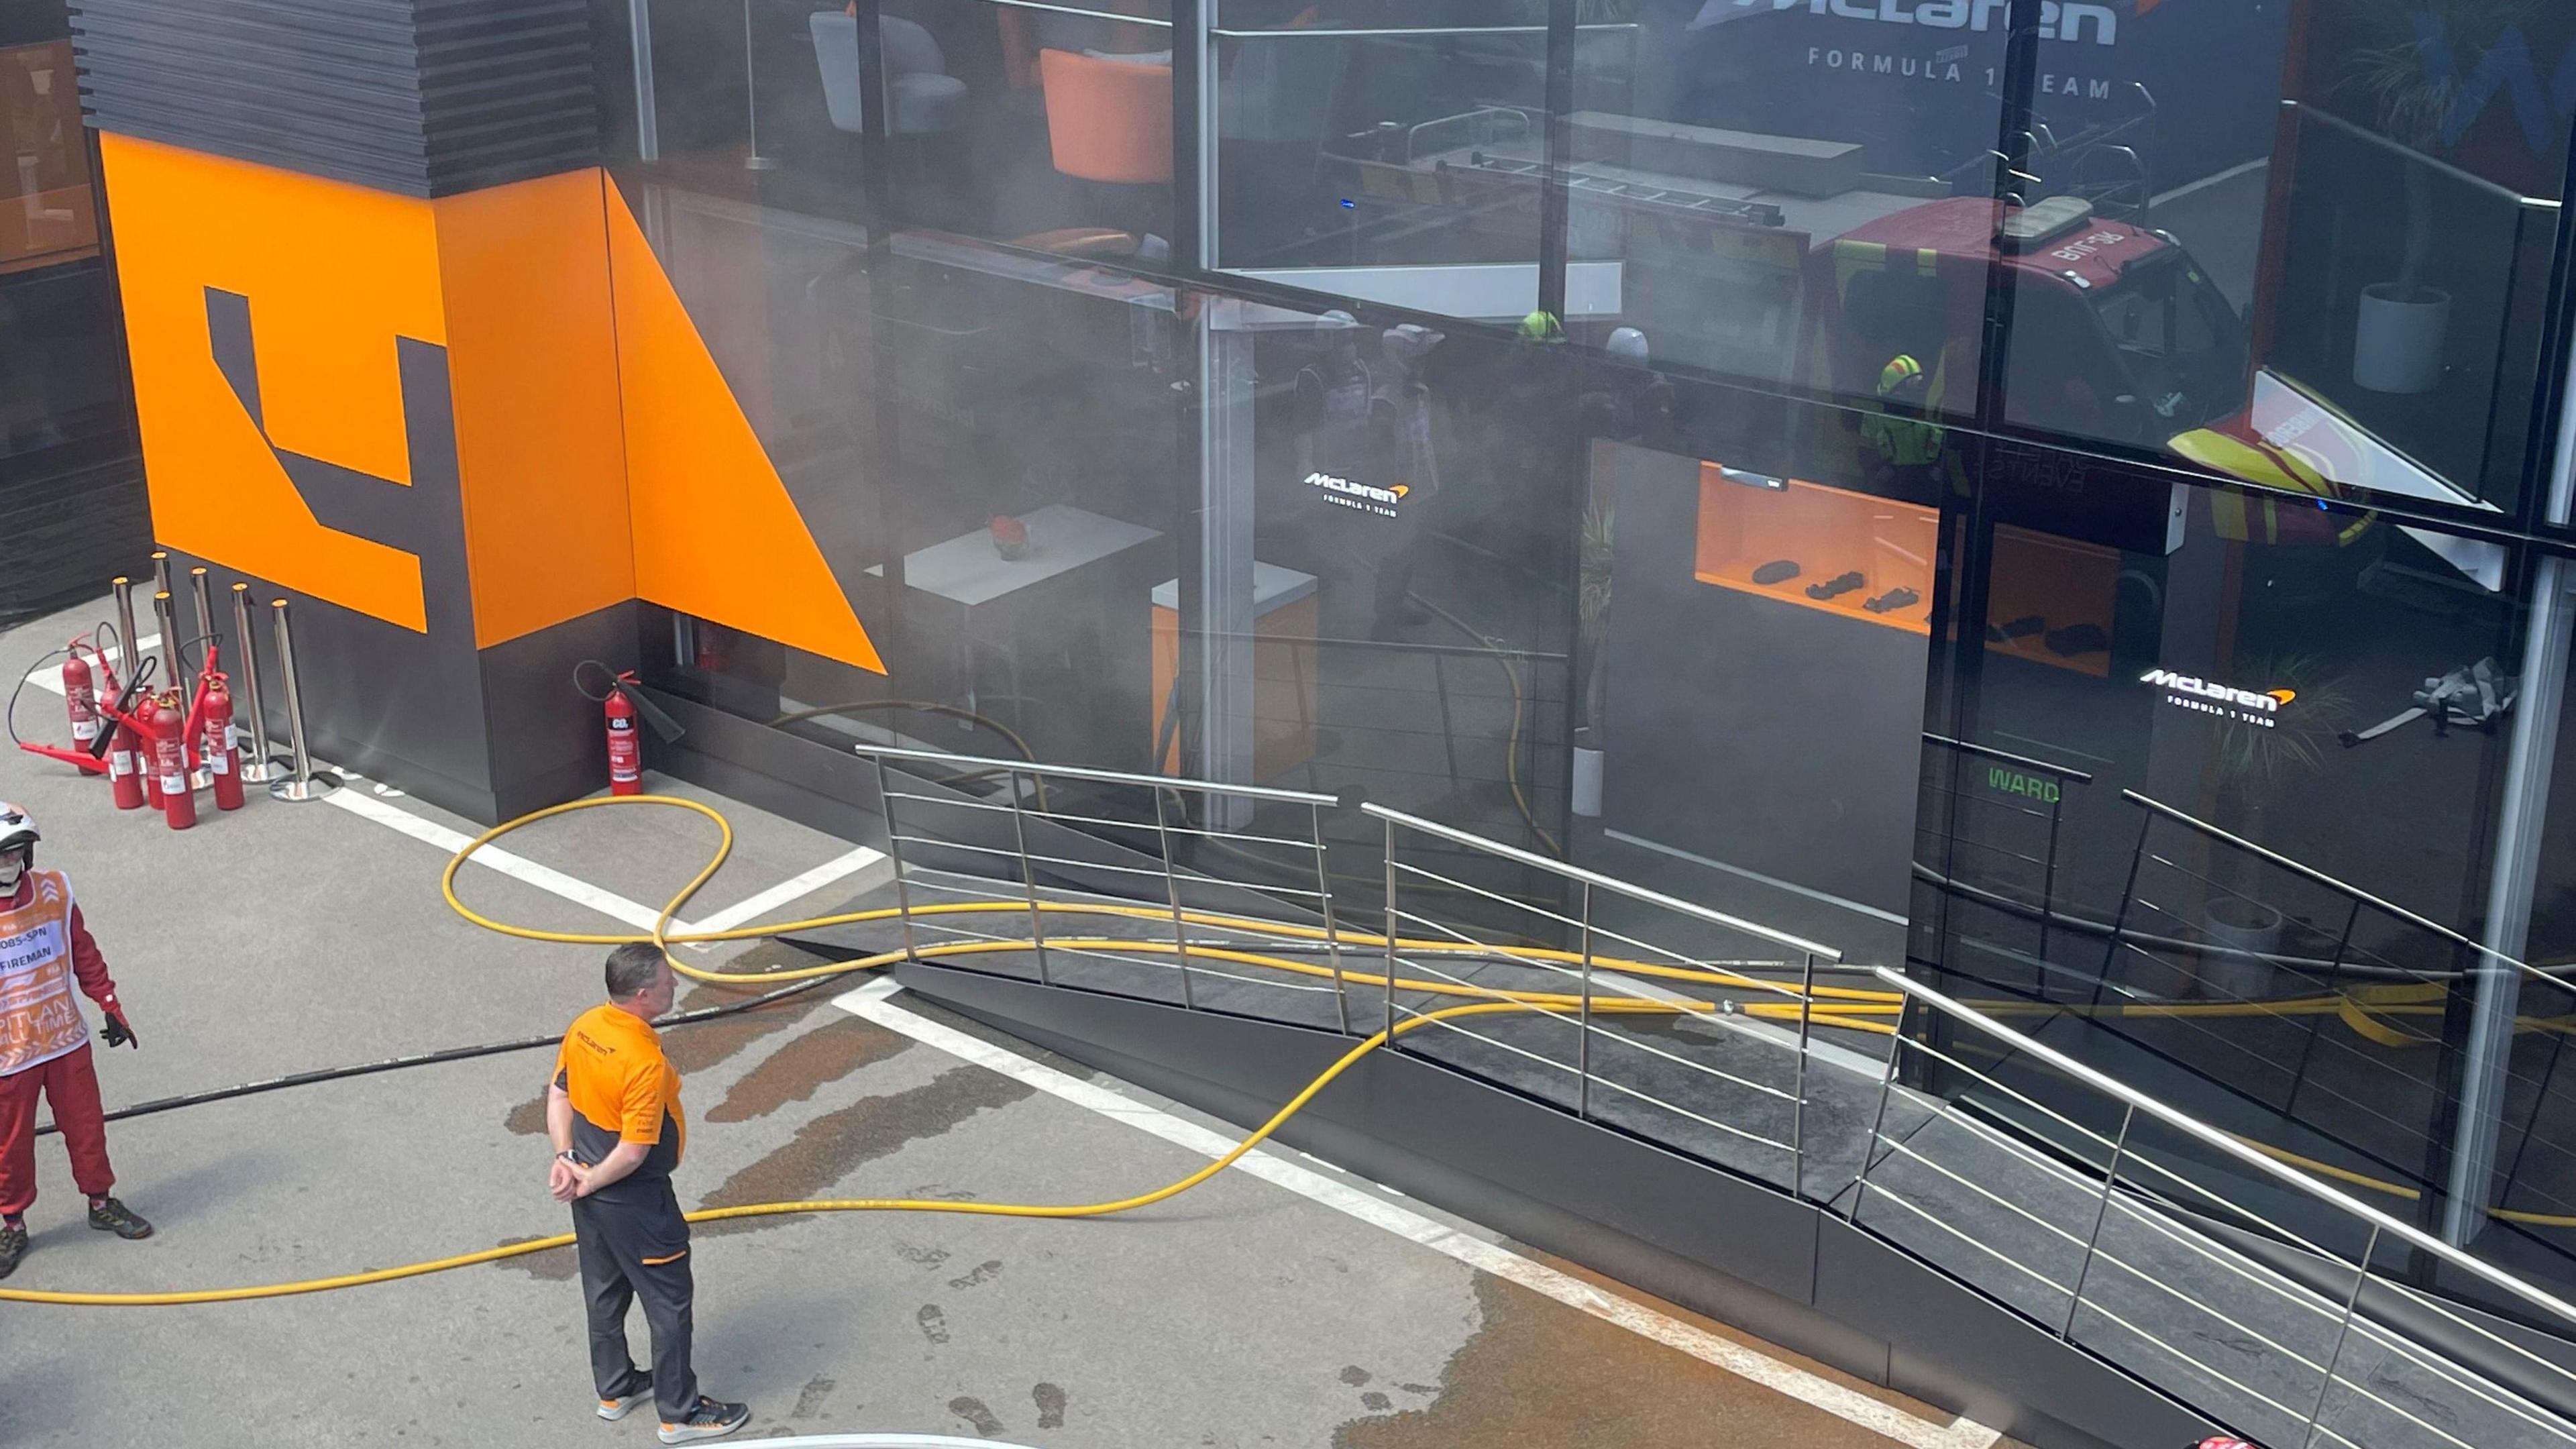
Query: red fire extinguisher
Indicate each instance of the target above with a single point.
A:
(126, 775)
(221, 746)
(117, 744)
(145, 757)
(622, 705)
(625, 747)
(80, 699)
(167, 725)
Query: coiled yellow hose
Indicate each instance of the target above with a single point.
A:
(1847, 1007)
(1845, 1002)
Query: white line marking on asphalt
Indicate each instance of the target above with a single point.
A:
(581, 892)
(545, 878)
(871, 1001)
(794, 888)
(430, 832)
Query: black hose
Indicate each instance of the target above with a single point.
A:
(426, 1059)
(9, 716)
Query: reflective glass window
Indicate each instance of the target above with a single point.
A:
(1390, 150)
(2308, 257)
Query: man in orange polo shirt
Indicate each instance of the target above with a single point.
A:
(613, 1114)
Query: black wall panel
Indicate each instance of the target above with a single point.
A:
(417, 97)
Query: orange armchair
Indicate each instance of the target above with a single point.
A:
(1108, 120)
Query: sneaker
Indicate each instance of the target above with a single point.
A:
(13, 1246)
(711, 1419)
(621, 1405)
(115, 1217)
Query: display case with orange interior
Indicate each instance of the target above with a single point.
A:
(1866, 558)
(2049, 599)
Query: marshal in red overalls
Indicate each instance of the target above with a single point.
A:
(44, 1042)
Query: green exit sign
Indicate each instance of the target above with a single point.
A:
(2014, 782)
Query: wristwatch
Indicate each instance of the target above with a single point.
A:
(566, 1156)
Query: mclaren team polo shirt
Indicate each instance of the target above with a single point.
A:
(623, 1090)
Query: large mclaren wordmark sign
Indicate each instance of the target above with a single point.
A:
(472, 417)
(2186, 86)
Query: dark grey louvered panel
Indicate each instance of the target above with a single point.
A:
(419, 97)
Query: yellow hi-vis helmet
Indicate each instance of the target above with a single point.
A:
(1900, 370)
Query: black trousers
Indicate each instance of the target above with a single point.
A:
(637, 1246)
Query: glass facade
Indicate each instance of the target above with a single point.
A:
(2067, 496)
(71, 496)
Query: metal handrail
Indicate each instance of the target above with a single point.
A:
(1077, 10)
(2063, 772)
(1399, 31)
(2343, 888)
(2410, 156)
(1577, 873)
(1081, 772)
(2222, 1142)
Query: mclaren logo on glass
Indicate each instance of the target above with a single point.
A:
(2058, 19)
(1362, 496)
(2249, 706)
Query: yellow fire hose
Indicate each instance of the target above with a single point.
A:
(1847, 1007)
(661, 935)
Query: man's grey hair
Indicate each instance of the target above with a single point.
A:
(632, 968)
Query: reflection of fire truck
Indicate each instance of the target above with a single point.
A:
(1779, 258)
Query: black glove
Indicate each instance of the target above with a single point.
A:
(116, 1031)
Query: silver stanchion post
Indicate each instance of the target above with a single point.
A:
(198, 586)
(306, 783)
(259, 769)
(128, 652)
(165, 618)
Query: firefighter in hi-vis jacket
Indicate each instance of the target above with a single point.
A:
(44, 1042)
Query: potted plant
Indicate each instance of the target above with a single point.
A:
(1592, 620)
(2411, 62)
(2254, 760)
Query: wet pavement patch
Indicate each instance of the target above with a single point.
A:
(977, 1416)
(809, 1401)
(798, 1068)
(528, 1119)
(1540, 1375)
(554, 1265)
(702, 1045)
(827, 1148)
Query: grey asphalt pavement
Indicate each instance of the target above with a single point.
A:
(284, 938)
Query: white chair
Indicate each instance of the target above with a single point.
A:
(921, 94)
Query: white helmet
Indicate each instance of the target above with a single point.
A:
(18, 839)
(17, 827)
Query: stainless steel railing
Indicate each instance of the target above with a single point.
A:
(2144, 1188)
(2111, 1233)
(1588, 931)
(1109, 870)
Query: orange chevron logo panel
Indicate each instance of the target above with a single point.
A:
(716, 534)
(335, 276)
(395, 404)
